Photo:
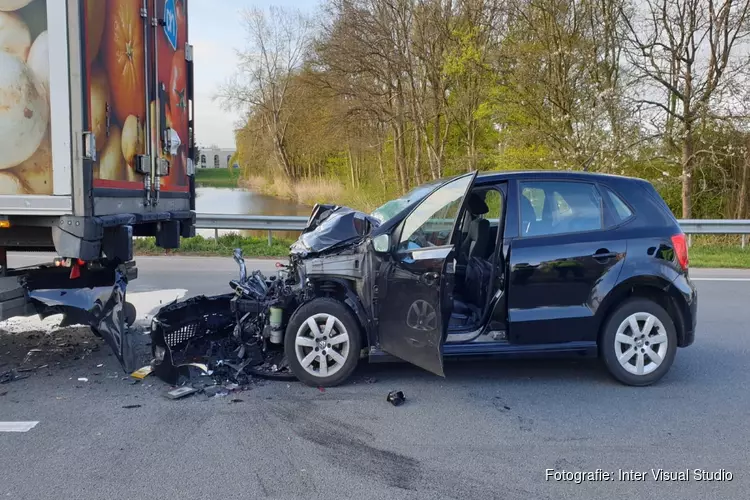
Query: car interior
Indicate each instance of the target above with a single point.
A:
(478, 240)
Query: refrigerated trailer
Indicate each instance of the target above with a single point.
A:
(96, 147)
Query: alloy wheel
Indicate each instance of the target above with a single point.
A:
(322, 345)
(641, 343)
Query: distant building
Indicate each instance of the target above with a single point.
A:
(216, 157)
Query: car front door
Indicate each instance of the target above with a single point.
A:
(562, 260)
(415, 283)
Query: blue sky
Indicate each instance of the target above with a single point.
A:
(215, 33)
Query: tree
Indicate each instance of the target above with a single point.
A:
(277, 45)
(685, 55)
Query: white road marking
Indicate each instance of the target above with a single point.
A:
(17, 426)
(148, 302)
(721, 279)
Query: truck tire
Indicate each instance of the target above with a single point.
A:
(323, 342)
(638, 343)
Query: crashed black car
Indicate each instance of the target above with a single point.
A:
(503, 263)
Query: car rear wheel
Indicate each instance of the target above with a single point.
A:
(638, 343)
(322, 343)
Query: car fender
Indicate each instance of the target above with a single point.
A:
(348, 295)
(646, 283)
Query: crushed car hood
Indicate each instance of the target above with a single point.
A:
(332, 226)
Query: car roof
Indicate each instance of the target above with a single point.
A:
(490, 177)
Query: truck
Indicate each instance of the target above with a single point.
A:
(96, 142)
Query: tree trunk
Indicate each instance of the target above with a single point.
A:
(742, 202)
(380, 166)
(398, 158)
(687, 164)
(351, 166)
(417, 155)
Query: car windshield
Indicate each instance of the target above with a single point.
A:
(392, 208)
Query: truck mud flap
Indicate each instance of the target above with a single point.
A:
(95, 299)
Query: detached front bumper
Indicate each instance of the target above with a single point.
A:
(95, 298)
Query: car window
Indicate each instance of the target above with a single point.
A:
(623, 212)
(392, 208)
(494, 201)
(431, 223)
(536, 197)
(549, 208)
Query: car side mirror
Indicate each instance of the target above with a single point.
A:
(382, 243)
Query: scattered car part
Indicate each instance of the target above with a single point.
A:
(396, 398)
(11, 376)
(142, 372)
(181, 392)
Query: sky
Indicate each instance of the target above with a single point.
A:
(216, 32)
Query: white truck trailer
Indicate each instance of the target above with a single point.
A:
(96, 146)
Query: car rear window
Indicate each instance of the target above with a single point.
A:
(622, 211)
(556, 207)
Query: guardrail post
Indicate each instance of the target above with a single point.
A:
(270, 240)
(690, 240)
(216, 235)
(743, 240)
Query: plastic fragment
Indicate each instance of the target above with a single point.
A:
(142, 372)
(181, 392)
(83, 379)
(396, 398)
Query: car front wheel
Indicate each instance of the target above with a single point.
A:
(322, 343)
(638, 343)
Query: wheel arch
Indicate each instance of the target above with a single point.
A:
(345, 292)
(654, 288)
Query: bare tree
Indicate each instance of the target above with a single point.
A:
(687, 55)
(277, 45)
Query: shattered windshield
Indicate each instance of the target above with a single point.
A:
(392, 208)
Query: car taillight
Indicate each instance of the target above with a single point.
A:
(679, 242)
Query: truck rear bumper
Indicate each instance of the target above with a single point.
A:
(87, 238)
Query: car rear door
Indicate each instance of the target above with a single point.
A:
(562, 263)
(415, 284)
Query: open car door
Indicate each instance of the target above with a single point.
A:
(415, 286)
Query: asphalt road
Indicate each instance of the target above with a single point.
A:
(488, 430)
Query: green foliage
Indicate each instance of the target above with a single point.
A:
(251, 246)
(216, 177)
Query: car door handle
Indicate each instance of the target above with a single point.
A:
(604, 254)
(429, 279)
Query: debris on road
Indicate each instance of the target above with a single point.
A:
(142, 372)
(396, 398)
(83, 379)
(11, 376)
(227, 337)
(130, 407)
(181, 392)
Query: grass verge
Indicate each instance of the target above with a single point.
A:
(720, 257)
(253, 247)
(217, 177)
(223, 247)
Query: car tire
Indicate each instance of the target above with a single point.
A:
(304, 347)
(627, 353)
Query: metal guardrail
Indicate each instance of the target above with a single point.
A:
(272, 223)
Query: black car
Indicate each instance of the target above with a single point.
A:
(497, 264)
(500, 263)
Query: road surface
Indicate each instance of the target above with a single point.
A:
(488, 430)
